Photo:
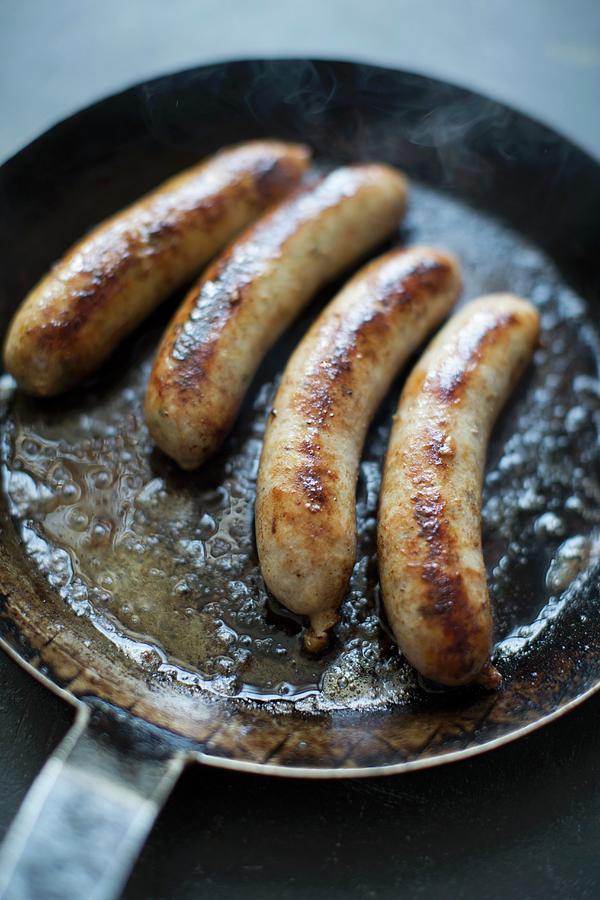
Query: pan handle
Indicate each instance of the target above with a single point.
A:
(87, 815)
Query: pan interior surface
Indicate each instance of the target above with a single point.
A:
(150, 575)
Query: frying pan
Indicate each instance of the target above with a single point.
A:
(132, 590)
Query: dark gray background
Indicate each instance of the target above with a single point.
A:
(524, 820)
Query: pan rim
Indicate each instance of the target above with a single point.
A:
(316, 773)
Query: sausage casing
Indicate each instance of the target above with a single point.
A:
(331, 388)
(247, 298)
(108, 282)
(431, 565)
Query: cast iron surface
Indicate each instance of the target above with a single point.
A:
(119, 612)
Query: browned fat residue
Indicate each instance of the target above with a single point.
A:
(449, 387)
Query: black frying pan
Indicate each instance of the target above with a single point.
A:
(133, 590)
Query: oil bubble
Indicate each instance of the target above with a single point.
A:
(570, 559)
(549, 525)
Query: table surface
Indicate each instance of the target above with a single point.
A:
(523, 820)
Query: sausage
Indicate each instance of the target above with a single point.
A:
(331, 388)
(247, 298)
(431, 567)
(115, 276)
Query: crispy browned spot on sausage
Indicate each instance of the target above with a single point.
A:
(445, 591)
(194, 343)
(309, 477)
(319, 393)
(316, 399)
(449, 384)
(272, 177)
(57, 334)
(427, 276)
(355, 334)
(265, 181)
(313, 475)
(225, 287)
(439, 446)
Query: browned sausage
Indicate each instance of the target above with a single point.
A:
(331, 388)
(431, 566)
(108, 282)
(251, 294)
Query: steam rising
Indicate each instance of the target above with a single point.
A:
(436, 131)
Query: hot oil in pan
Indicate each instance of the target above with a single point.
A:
(164, 562)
